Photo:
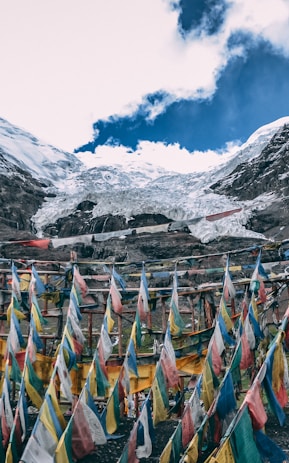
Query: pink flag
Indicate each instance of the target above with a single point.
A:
(169, 368)
(141, 308)
(255, 406)
(115, 297)
(188, 428)
(216, 358)
(217, 348)
(5, 431)
(78, 279)
(247, 355)
(131, 457)
(82, 442)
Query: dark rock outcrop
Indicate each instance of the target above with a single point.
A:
(20, 197)
(266, 175)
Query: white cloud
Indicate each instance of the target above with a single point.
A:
(168, 157)
(66, 63)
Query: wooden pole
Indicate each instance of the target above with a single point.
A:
(193, 312)
(164, 318)
(90, 332)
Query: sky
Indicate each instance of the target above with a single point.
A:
(183, 75)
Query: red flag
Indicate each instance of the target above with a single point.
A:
(221, 215)
(188, 428)
(43, 244)
(255, 406)
(102, 359)
(169, 368)
(282, 395)
(247, 355)
(5, 430)
(131, 457)
(78, 347)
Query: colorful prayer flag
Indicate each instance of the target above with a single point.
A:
(160, 396)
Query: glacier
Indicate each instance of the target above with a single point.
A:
(153, 179)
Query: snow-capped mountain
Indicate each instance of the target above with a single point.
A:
(88, 193)
(42, 161)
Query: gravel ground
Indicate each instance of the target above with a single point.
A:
(111, 452)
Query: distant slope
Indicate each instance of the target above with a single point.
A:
(42, 161)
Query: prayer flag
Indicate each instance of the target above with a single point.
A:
(173, 449)
(115, 296)
(160, 396)
(223, 310)
(34, 452)
(228, 287)
(255, 406)
(226, 401)
(188, 428)
(143, 297)
(64, 376)
(270, 384)
(257, 284)
(144, 450)
(242, 440)
(112, 410)
(136, 334)
(192, 452)
(39, 285)
(79, 282)
(177, 324)
(269, 450)
(108, 320)
(208, 390)
(224, 454)
(33, 384)
(131, 359)
(63, 451)
(15, 282)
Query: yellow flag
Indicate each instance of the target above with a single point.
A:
(175, 330)
(111, 424)
(109, 319)
(31, 390)
(278, 369)
(207, 386)
(192, 452)
(24, 281)
(20, 315)
(112, 410)
(166, 453)
(225, 315)
(36, 318)
(254, 306)
(61, 454)
(159, 408)
(52, 392)
(9, 454)
(225, 454)
(46, 419)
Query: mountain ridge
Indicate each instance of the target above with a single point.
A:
(69, 197)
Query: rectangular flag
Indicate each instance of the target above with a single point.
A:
(160, 396)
